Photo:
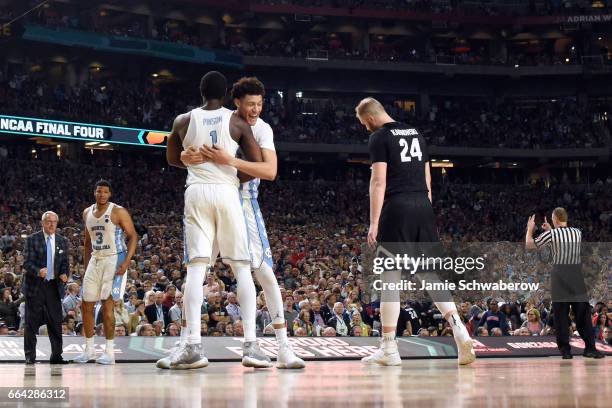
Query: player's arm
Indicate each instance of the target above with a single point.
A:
(124, 220)
(246, 141)
(378, 181)
(428, 180)
(87, 246)
(378, 185)
(174, 147)
(542, 240)
(265, 170)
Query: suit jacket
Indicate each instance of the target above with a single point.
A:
(35, 255)
(151, 313)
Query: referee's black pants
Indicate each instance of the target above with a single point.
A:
(584, 325)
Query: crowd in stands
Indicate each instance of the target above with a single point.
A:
(469, 7)
(320, 45)
(316, 231)
(469, 123)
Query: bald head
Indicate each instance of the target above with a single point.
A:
(559, 217)
(372, 114)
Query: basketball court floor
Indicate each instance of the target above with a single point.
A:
(490, 382)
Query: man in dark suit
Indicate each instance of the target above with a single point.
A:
(157, 311)
(46, 265)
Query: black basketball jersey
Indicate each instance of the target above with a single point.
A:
(404, 150)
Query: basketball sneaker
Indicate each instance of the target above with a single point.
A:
(187, 357)
(287, 359)
(164, 362)
(85, 357)
(252, 356)
(465, 346)
(386, 355)
(105, 359)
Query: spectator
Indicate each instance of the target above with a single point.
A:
(300, 332)
(157, 311)
(602, 322)
(496, 332)
(494, 318)
(175, 312)
(533, 323)
(169, 296)
(145, 329)
(233, 310)
(173, 330)
(120, 330)
(339, 321)
(130, 305)
(303, 321)
(364, 328)
(290, 312)
(8, 309)
(121, 314)
(71, 300)
(137, 318)
(329, 332)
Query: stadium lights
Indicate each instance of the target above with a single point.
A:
(434, 160)
(104, 144)
(91, 143)
(516, 65)
(446, 160)
(599, 38)
(567, 60)
(155, 75)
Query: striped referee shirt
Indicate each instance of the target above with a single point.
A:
(564, 243)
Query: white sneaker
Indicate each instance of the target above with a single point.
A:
(164, 362)
(465, 351)
(287, 358)
(252, 356)
(85, 357)
(187, 357)
(465, 347)
(386, 355)
(105, 359)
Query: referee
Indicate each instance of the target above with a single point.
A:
(567, 286)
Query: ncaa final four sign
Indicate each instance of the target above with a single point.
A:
(81, 131)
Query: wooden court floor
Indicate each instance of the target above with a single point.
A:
(528, 382)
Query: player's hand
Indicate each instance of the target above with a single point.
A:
(546, 226)
(531, 223)
(43, 273)
(192, 157)
(122, 268)
(372, 233)
(216, 155)
(63, 278)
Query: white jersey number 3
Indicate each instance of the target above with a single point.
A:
(415, 149)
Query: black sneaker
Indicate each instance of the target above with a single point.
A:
(566, 356)
(593, 354)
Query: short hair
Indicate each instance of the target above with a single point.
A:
(213, 85)
(560, 213)
(104, 183)
(48, 213)
(247, 86)
(369, 106)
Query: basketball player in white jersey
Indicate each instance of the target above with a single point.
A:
(247, 95)
(213, 213)
(106, 259)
